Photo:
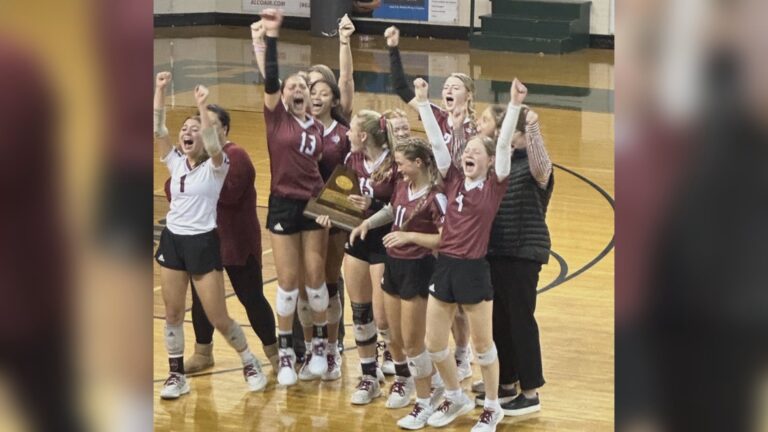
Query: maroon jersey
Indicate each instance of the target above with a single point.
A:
(335, 148)
(381, 191)
(422, 212)
(455, 144)
(236, 218)
(470, 214)
(294, 149)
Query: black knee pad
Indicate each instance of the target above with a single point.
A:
(365, 329)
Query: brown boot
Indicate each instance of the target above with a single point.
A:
(272, 354)
(201, 359)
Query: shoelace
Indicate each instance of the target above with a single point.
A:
(173, 379)
(399, 387)
(487, 416)
(445, 406)
(417, 409)
(331, 361)
(364, 384)
(251, 370)
(285, 361)
(318, 349)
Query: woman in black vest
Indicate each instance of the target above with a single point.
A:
(519, 245)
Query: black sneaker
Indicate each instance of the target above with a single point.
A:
(505, 396)
(521, 406)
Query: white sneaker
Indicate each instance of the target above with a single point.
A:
(287, 375)
(380, 375)
(449, 410)
(305, 373)
(417, 419)
(367, 390)
(334, 367)
(387, 364)
(464, 369)
(175, 386)
(436, 396)
(400, 393)
(254, 376)
(488, 420)
(318, 364)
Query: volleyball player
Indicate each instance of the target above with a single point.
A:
(462, 274)
(189, 245)
(240, 236)
(295, 143)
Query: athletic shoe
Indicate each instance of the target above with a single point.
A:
(287, 375)
(417, 419)
(400, 393)
(436, 396)
(202, 358)
(380, 374)
(464, 369)
(305, 373)
(367, 390)
(521, 405)
(504, 397)
(334, 367)
(449, 410)
(388, 364)
(318, 364)
(175, 386)
(254, 376)
(488, 421)
(478, 387)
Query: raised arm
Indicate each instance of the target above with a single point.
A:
(396, 68)
(434, 135)
(346, 67)
(209, 132)
(165, 144)
(538, 158)
(504, 143)
(259, 45)
(272, 19)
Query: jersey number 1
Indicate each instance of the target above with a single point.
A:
(308, 150)
(399, 216)
(460, 200)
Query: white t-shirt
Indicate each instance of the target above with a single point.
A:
(194, 194)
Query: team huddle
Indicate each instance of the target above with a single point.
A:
(452, 241)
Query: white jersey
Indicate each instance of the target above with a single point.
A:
(194, 194)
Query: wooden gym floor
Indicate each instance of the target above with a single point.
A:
(573, 95)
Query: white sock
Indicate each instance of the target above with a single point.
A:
(453, 395)
(492, 404)
(247, 357)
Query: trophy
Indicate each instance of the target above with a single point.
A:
(333, 201)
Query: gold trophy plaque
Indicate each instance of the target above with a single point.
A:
(333, 201)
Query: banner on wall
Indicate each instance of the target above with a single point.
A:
(294, 8)
(435, 11)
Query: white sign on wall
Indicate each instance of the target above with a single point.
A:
(294, 8)
(444, 11)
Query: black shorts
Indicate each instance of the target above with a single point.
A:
(196, 254)
(462, 281)
(286, 216)
(370, 250)
(408, 278)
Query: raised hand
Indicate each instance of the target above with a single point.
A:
(393, 36)
(273, 19)
(421, 88)
(346, 28)
(518, 92)
(162, 80)
(201, 95)
(258, 31)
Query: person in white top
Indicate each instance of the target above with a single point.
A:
(189, 245)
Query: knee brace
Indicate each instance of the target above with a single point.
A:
(318, 298)
(235, 337)
(365, 328)
(334, 309)
(420, 366)
(439, 356)
(174, 339)
(305, 313)
(286, 301)
(488, 357)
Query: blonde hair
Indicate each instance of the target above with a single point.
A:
(323, 70)
(469, 84)
(379, 131)
(394, 113)
(416, 148)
